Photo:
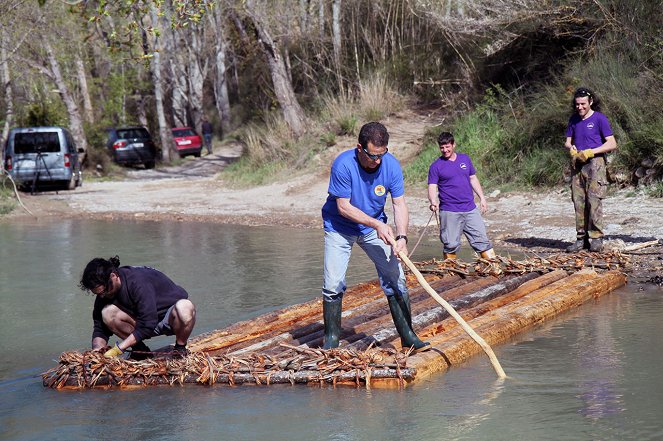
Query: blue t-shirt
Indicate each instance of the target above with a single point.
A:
(588, 133)
(453, 183)
(366, 191)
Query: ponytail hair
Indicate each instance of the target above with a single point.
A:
(97, 272)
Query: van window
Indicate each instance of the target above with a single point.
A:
(45, 142)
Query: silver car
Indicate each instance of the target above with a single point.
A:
(43, 155)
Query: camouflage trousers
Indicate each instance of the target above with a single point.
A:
(589, 184)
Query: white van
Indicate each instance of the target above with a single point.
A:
(42, 155)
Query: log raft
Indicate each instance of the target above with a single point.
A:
(283, 346)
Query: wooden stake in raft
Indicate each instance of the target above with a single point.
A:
(452, 312)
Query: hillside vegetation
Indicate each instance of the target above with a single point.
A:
(287, 77)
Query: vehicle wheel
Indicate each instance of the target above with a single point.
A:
(197, 155)
(149, 165)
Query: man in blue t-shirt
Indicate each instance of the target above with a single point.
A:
(588, 137)
(452, 182)
(359, 183)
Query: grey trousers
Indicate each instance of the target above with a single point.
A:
(470, 223)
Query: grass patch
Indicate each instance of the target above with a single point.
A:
(7, 199)
(655, 190)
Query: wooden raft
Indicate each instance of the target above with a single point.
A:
(282, 346)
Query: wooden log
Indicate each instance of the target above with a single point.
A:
(427, 318)
(280, 319)
(311, 335)
(501, 324)
(543, 284)
(356, 377)
(310, 329)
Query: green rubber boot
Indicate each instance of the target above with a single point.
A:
(331, 313)
(403, 322)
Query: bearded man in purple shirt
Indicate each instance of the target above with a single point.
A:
(452, 182)
(588, 138)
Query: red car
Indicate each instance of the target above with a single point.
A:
(187, 141)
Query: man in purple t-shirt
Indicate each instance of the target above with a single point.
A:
(588, 137)
(452, 182)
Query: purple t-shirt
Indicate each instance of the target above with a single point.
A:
(588, 133)
(453, 183)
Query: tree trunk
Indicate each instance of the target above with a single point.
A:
(197, 66)
(82, 81)
(336, 30)
(155, 67)
(321, 19)
(292, 111)
(7, 86)
(221, 83)
(75, 120)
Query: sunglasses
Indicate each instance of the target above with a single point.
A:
(583, 92)
(374, 157)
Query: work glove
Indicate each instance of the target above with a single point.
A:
(585, 155)
(574, 155)
(113, 352)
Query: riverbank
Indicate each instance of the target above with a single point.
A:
(530, 222)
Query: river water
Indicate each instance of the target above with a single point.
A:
(591, 374)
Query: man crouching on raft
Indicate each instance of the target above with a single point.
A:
(136, 303)
(359, 183)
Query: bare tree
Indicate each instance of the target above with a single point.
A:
(222, 99)
(292, 111)
(155, 68)
(85, 93)
(75, 120)
(7, 87)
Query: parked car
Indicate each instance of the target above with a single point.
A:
(187, 141)
(43, 155)
(132, 146)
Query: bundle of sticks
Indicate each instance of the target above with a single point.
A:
(91, 369)
(502, 265)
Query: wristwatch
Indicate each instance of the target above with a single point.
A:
(402, 236)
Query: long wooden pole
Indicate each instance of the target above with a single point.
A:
(452, 312)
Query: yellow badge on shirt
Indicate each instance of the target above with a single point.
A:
(380, 190)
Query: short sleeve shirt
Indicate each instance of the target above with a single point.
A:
(367, 191)
(588, 133)
(453, 183)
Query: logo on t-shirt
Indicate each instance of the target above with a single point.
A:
(380, 190)
(590, 125)
(463, 166)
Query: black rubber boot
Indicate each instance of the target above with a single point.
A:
(596, 245)
(403, 322)
(577, 246)
(404, 303)
(180, 351)
(140, 351)
(331, 313)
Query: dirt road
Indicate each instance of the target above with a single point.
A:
(533, 221)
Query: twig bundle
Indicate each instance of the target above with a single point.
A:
(91, 369)
(502, 265)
